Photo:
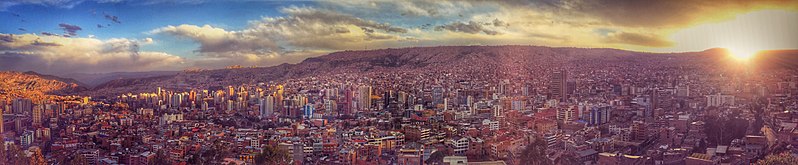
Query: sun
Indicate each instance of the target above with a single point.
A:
(742, 53)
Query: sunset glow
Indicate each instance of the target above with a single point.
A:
(398, 82)
(742, 53)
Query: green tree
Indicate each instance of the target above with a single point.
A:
(535, 153)
(272, 155)
(778, 159)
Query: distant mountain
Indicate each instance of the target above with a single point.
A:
(36, 86)
(465, 60)
(94, 79)
(777, 59)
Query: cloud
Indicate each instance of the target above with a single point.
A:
(638, 39)
(249, 59)
(50, 3)
(301, 27)
(470, 27)
(70, 30)
(218, 40)
(329, 17)
(499, 23)
(313, 28)
(402, 8)
(48, 34)
(112, 18)
(635, 13)
(68, 4)
(761, 30)
(59, 55)
(302, 32)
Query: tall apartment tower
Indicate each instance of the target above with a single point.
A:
(266, 106)
(558, 85)
(364, 97)
(37, 116)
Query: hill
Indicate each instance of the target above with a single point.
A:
(496, 61)
(35, 86)
(94, 79)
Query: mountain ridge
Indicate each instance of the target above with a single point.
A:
(35, 86)
(487, 59)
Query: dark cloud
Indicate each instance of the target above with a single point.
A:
(500, 23)
(471, 27)
(71, 30)
(42, 43)
(112, 18)
(638, 39)
(341, 30)
(100, 26)
(49, 34)
(22, 29)
(426, 26)
(7, 38)
(367, 30)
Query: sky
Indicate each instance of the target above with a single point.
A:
(98, 36)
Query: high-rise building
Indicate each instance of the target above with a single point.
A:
(717, 100)
(600, 114)
(437, 95)
(2, 123)
(37, 116)
(266, 106)
(364, 98)
(558, 86)
(566, 114)
(230, 92)
(497, 110)
(307, 111)
(21, 105)
(683, 91)
(329, 107)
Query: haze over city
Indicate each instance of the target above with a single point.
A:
(403, 82)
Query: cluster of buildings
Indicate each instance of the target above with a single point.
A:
(638, 115)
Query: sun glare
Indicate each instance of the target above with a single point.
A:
(742, 53)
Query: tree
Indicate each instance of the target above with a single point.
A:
(272, 155)
(435, 158)
(568, 159)
(161, 158)
(17, 156)
(535, 153)
(3, 156)
(37, 158)
(79, 160)
(780, 159)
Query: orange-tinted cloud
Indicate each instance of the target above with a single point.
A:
(638, 39)
(668, 13)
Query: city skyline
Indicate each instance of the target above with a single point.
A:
(63, 37)
(405, 82)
